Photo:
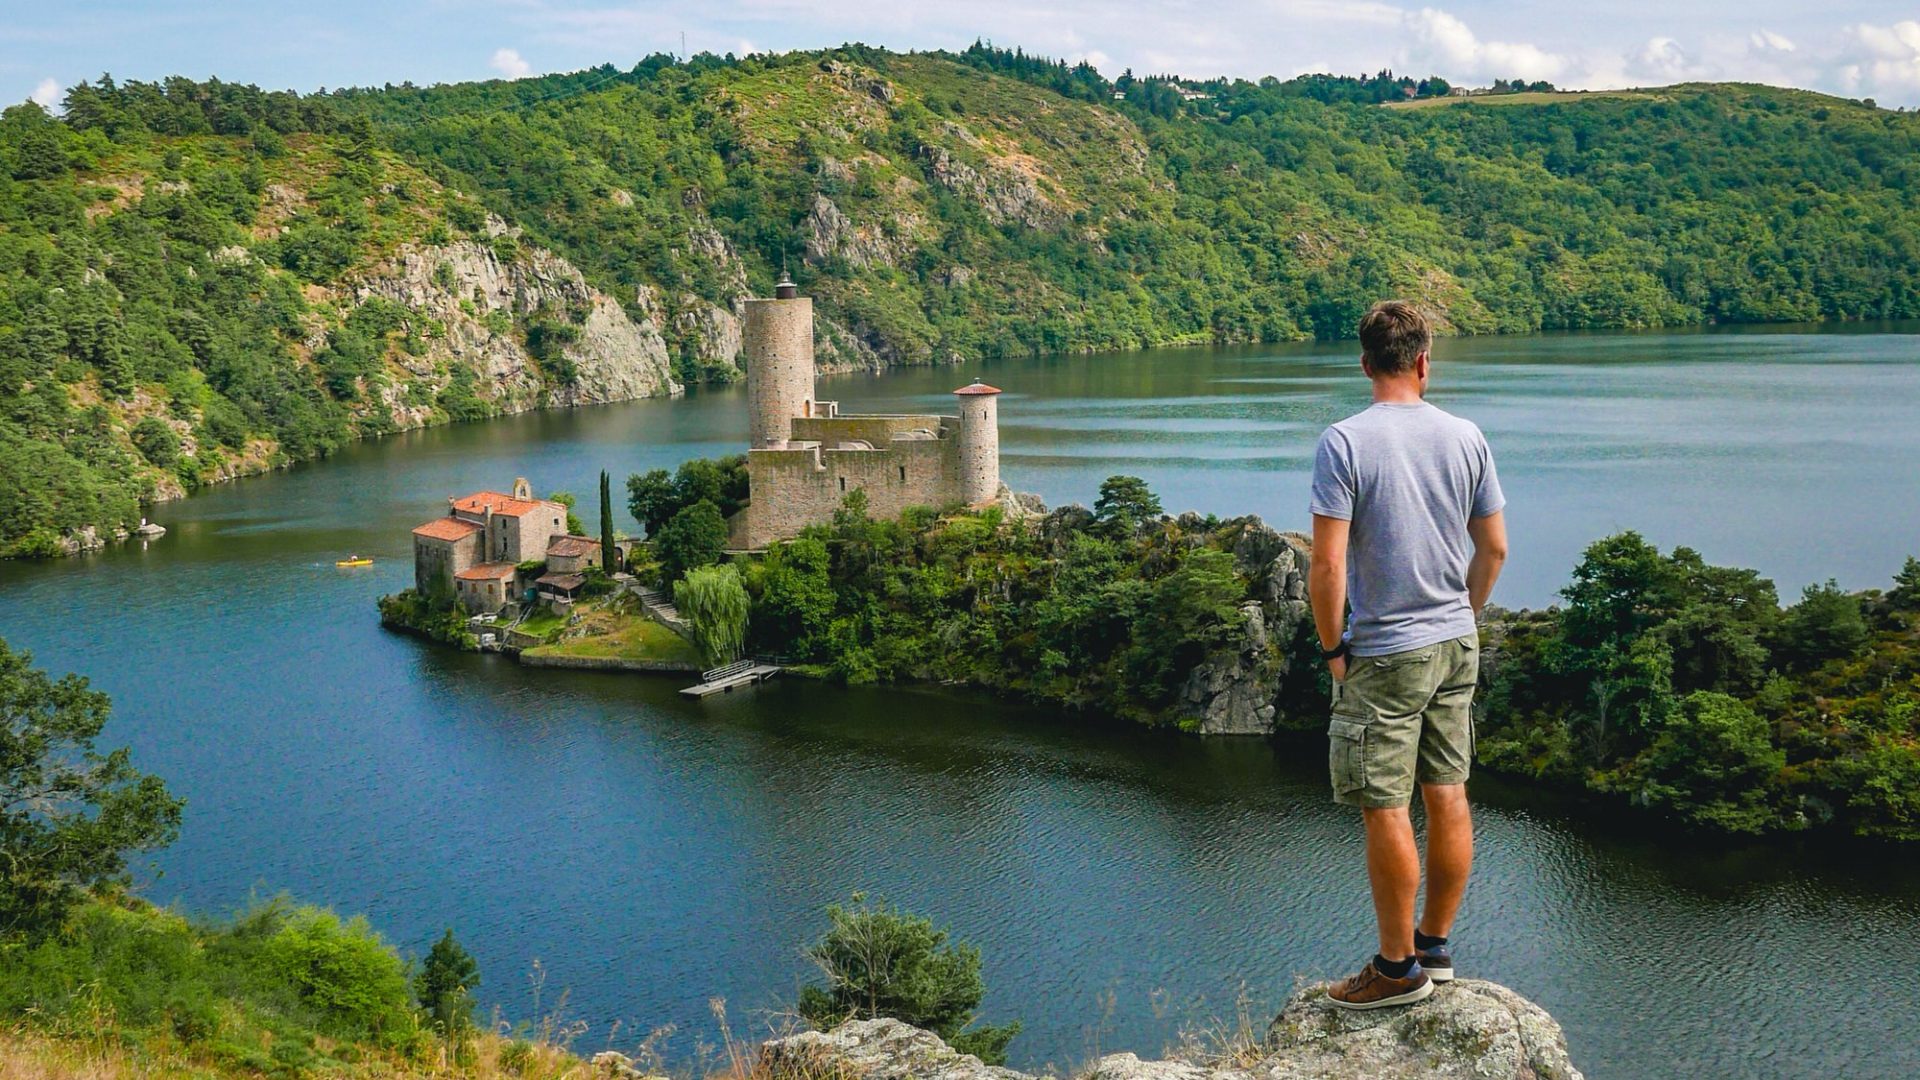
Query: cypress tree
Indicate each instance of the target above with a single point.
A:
(609, 554)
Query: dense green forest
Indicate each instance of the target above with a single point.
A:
(193, 275)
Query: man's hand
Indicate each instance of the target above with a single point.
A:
(1337, 667)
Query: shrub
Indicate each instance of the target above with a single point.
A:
(156, 441)
(346, 974)
(879, 961)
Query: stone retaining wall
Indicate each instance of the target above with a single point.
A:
(608, 663)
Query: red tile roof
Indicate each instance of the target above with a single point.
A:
(978, 387)
(447, 528)
(479, 501)
(487, 571)
(569, 547)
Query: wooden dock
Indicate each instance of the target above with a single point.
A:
(723, 680)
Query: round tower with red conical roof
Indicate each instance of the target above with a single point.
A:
(978, 448)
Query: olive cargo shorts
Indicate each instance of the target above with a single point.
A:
(1400, 718)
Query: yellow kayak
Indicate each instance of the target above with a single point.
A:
(354, 560)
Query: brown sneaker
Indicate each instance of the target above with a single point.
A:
(1437, 962)
(1372, 990)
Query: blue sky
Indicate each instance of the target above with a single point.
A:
(1856, 49)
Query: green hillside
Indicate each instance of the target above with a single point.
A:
(199, 280)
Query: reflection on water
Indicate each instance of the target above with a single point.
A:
(652, 853)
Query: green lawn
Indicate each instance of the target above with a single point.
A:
(624, 637)
(541, 623)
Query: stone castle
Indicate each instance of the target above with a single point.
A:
(804, 456)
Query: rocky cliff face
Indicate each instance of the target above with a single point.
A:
(476, 297)
(1237, 690)
(1468, 1028)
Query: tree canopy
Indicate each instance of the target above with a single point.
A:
(69, 814)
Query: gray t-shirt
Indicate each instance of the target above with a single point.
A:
(1408, 476)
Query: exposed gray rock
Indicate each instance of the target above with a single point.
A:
(838, 349)
(1236, 690)
(1020, 505)
(710, 333)
(612, 1063)
(461, 284)
(886, 242)
(874, 1050)
(85, 538)
(1467, 1028)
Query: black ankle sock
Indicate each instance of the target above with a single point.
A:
(1392, 969)
(1426, 941)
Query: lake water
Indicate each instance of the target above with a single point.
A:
(652, 853)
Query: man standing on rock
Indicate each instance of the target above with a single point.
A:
(1400, 493)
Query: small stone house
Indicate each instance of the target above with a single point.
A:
(572, 554)
(472, 552)
(487, 587)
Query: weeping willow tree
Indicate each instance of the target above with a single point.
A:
(714, 605)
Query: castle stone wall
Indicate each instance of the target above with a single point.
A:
(795, 488)
(876, 429)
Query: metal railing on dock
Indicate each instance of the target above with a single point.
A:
(726, 677)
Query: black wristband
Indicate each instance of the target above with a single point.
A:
(1338, 651)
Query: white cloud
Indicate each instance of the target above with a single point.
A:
(46, 94)
(1452, 47)
(508, 63)
(1661, 59)
(1881, 59)
(1767, 41)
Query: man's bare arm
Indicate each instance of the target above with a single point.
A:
(1489, 536)
(1327, 585)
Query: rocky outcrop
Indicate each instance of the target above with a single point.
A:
(874, 1050)
(475, 297)
(1237, 690)
(1006, 194)
(831, 234)
(1468, 1028)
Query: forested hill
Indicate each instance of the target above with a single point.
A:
(199, 280)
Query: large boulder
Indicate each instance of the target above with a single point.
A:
(874, 1050)
(1467, 1028)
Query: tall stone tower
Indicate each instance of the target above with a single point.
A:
(777, 342)
(979, 446)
